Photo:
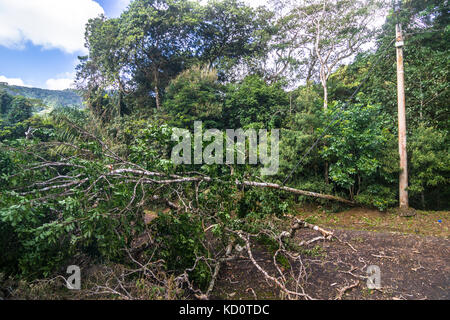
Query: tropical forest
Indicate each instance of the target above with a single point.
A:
(230, 150)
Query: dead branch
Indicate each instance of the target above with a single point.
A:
(279, 283)
(295, 191)
(342, 291)
(303, 224)
(179, 179)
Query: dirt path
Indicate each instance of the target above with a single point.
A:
(412, 267)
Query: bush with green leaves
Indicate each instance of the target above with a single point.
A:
(359, 147)
(15, 111)
(429, 169)
(255, 101)
(195, 95)
(181, 245)
(298, 134)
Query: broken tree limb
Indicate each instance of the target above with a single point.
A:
(303, 224)
(296, 191)
(327, 235)
(299, 224)
(179, 179)
(342, 291)
(277, 281)
(303, 243)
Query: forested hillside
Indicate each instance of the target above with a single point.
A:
(51, 98)
(99, 186)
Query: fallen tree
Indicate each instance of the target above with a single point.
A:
(180, 179)
(78, 194)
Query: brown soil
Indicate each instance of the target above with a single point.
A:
(413, 264)
(413, 255)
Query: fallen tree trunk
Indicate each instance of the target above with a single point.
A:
(179, 179)
(296, 191)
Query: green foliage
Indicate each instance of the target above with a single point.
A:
(193, 95)
(5, 102)
(298, 135)
(357, 147)
(7, 167)
(20, 110)
(254, 101)
(139, 53)
(15, 114)
(50, 98)
(428, 150)
(260, 203)
(151, 146)
(232, 32)
(181, 238)
(84, 183)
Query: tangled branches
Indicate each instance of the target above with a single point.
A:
(169, 229)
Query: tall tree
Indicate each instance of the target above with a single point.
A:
(230, 32)
(155, 40)
(323, 34)
(105, 69)
(163, 37)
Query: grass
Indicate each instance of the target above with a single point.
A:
(317, 251)
(424, 223)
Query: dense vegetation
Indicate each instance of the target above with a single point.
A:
(15, 113)
(94, 184)
(49, 98)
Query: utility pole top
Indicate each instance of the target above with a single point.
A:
(399, 43)
(397, 4)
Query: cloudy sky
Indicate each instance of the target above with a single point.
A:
(40, 40)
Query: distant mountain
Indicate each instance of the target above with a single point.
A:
(50, 98)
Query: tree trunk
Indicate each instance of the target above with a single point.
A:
(157, 97)
(325, 94)
(179, 179)
(121, 93)
(295, 191)
(158, 101)
(422, 196)
(325, 107)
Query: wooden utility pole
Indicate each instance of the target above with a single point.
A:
(403, 179)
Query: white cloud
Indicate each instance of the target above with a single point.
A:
(13, 81)
(59, 84)
(48, 23)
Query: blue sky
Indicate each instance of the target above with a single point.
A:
(40, 40)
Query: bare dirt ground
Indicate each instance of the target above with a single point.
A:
(413, 255)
